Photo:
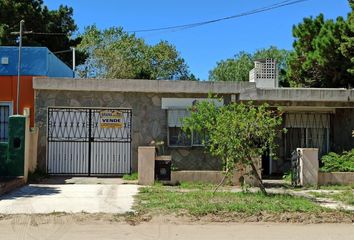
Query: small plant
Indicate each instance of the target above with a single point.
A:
(287, 177)
(334, 162)
(130, 177)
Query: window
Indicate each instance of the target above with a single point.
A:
(307, 130)
(176, 136)
(177, 110)
(5, 112)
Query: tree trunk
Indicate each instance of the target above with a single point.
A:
(220, 183)
(261, 186)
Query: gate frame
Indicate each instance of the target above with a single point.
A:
(89, 142)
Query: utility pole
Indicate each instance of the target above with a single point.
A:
(19, 68)
(74, 61)
(20, 33)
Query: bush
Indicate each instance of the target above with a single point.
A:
(334, 162)
(130, 177)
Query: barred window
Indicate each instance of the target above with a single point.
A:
(176, 136)
(5, 112)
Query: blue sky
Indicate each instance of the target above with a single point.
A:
(202, 47)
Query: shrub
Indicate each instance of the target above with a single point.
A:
(334, 162)
(130, 177)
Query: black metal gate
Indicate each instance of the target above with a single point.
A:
(89, 141)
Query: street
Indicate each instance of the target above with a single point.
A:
(27, 228)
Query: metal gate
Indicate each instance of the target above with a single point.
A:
(89, 141)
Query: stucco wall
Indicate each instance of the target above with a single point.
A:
(342, 130)
(149, 122)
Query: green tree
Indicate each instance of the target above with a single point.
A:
(39, 19)
(236, 133)
(347, 47)
(114, 53)
(322, 53)
(233, 69)
(238, 67)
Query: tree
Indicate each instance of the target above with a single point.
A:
(233, 69)
(236, 133)
(322, 53)
(39, 20)
(347, 47)
(114, 53)
(237, 68)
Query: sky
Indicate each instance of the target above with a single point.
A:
(204, 46)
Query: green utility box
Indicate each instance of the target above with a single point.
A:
(16, 146)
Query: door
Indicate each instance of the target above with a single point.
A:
(89, 141)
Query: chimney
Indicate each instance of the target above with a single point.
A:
(264, 73)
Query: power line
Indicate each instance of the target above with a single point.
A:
(63, 51)
(197, 24)
(46, 33)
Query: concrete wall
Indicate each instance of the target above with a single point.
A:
(342, 130)
(242, 174)
(335, 178)
(32, 152)
(149, 122)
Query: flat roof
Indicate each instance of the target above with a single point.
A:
(138, 85)
(244, 90)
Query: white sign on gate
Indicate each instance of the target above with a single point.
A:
(111, 119)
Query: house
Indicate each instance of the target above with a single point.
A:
(35, 62)
(74, 137)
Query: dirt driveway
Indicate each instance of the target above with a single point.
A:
(71, 195)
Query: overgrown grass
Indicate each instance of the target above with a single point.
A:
(346, 197)
(130, 177)
(201, 202)
(196, 186)
(338, 187)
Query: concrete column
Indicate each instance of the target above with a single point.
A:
(146, 165)
(309, 166)
(27, 149)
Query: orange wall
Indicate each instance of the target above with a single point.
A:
(8, 92)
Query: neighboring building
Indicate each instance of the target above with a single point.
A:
(152, 110)
(264, 73)
(36, 61)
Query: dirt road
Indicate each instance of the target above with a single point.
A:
(63, 229)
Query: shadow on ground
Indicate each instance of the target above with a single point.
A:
(30, 191)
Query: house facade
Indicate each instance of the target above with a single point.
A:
(91, 126)
(35, 62)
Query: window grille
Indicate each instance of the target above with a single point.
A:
(4, 122)
(307, 130)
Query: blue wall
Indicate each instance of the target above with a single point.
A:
(36, 61)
